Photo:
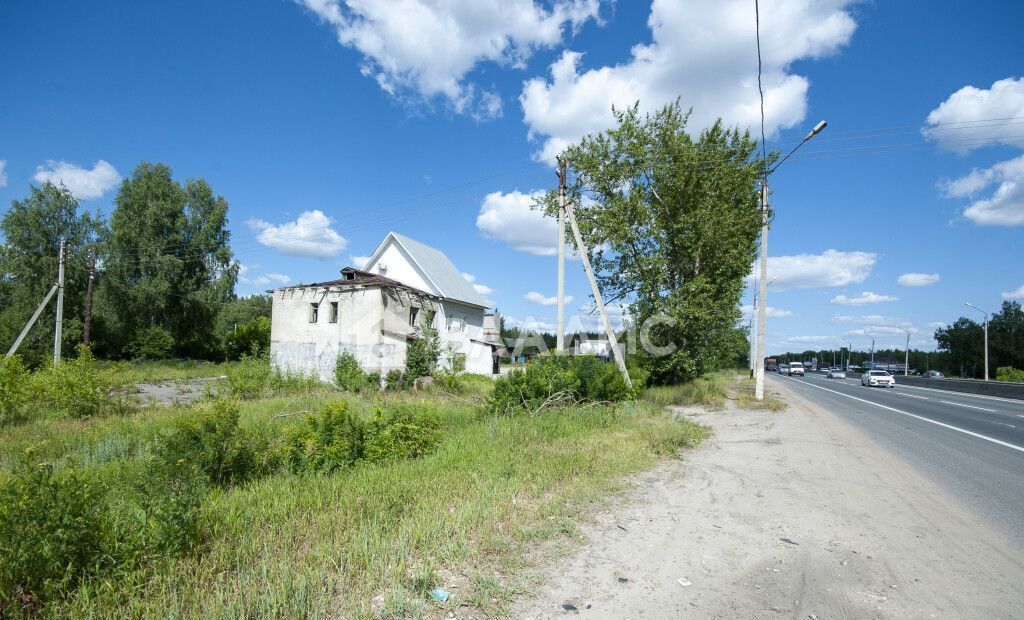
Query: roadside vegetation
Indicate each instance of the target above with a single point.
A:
(742, 387)
(286, 497)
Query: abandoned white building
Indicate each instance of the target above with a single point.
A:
(374, 312)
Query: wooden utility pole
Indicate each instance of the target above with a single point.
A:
(584, 256)
(58, 331)
(88, 298)
(560, 334)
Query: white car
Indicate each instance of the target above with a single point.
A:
(796, 368)
(878, 378)
(836, 373)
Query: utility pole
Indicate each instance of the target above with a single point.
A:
(762, 293)
(906, 357)
(58, 332)
(753, 340)
(88, 298)
(986, 335)
(612, 341)
(560, 310)
(849, 344)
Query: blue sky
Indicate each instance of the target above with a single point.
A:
(326, 124)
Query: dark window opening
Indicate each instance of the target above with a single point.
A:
(333, 317)
(413, 313)
(314, 312)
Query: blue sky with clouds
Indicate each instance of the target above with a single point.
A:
(327, 123)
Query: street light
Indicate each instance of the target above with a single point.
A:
(969, 305)
(872, 348)
(906, 359)
(763, 268)
(849, 346)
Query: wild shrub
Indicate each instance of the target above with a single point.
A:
(1009, 373)
(151, 343)
(449, 382)
(552, 380)
(15, 390)
(169, 495)
(328, 441)
(401, 432)
(53, 533)
(422, 354)
(209, 437)
(348, 374)
(396, 380)
(293, 382)
(249, 378)
(373, 380)
(75, 387)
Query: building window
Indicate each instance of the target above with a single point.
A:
(455, 324)
(314, 312)
(333, 317)
(413, 313)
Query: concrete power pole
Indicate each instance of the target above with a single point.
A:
(762, 294)
(58, 332)
(612, 341)
(88, 298)
(560, 334)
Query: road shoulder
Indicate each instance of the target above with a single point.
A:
(791, 514)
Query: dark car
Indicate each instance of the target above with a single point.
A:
(933, 374)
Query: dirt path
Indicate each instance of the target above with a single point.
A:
(784, 515)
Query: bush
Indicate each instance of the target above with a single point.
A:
(422, 354)
(209, 438)
(449, 382)
(75, 387)
(326, 442)
(52, 535)
(151, 343)
(290, 382)
(249, 377)
(373, 380)
(401, 432)
(551, 380)
(252, 337)
(1009, 373)
(396, 380)
(15, 390)
(348, 374)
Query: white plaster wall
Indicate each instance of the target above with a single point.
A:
(400, 267)
(296, 345)
(464, 339)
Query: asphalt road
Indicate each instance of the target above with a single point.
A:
(971, 445)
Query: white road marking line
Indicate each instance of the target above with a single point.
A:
(968, 406)
(1005, 424)
(1013, 401)
(912, 395)
(923, 419)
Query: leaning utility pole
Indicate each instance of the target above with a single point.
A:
(582, 250)
(88, 298)
(59, 330)
(560, 334)
(762, 293)
(31, 322)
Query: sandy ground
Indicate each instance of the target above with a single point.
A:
(174, 392)
(783, 515)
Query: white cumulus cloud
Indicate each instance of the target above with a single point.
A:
(867, 297)
(84, 183)
(483, 289)
(973, 117)
(1005, 205)
(309, 235)
(508, 217)
(428, 47)
(540, 298)
(702, 51)
(917, 279)
(262, 280)
(3, 173)
(830, 269)
(865, 319)
(770, 312)
(1017, 294)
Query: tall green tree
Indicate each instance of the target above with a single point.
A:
(167, 265)
(671, 223)
(964, 341)
(32, 229)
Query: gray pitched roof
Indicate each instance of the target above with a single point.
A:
(440, 270)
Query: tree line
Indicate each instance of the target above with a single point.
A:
(961, 348)
(164, 276)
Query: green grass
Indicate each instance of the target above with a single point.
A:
(707, 391)
(370, 541)
(131, 373)
(743, 387)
